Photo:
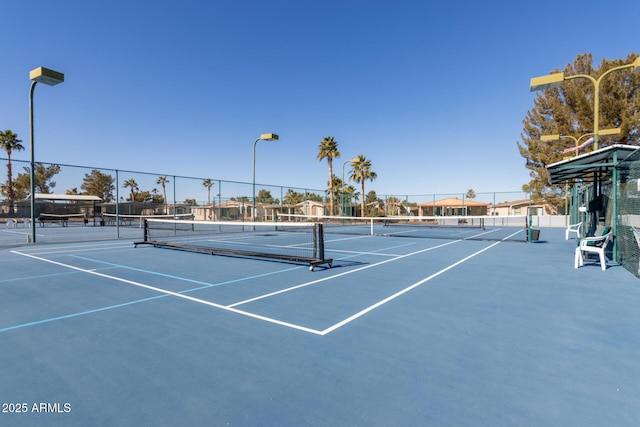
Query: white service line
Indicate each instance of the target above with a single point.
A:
(71, 249)
(175, 294)
(326, 331)
(313, 282)
(403, 291)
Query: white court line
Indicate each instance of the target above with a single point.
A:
(73, 248)
(403, 291)
(175, 294)
(11, 231)
(346, 238)
(279, 322)
(324, 279)
(338, 251)
(386, 300)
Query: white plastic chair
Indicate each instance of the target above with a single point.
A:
(592, 245)
(11, 223)
(573, 228)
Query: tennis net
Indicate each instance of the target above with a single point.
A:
(138, 220)
(301, 242)
(61, 219)
(443, 227)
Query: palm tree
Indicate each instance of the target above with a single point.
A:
(348, 194)
(328, 149)
(9, 142)
(208, 184)
(470, 194)
(336, 185)
(162, 180)
(360, 172)
(131, 183)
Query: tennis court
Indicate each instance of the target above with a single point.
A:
(399, 331)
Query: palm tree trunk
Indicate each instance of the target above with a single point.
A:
(164, 193)
(362, 201)
(10, 193)
(330, 162)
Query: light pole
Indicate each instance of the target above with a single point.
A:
(50, 78)
(343, 210)
(263, 137)
(603, 132)
(556, 79)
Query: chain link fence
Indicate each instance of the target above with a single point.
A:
(124, 195)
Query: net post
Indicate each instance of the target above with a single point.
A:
(146, 231)
(315, 241)
(320, 232)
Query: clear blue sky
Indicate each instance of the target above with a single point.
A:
(432, 92)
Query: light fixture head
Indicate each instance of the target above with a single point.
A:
(269, 137)
(612, 131)
(547, 138)
(46, 76)
(546, 82)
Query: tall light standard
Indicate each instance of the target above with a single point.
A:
(603, 132)
(343, 185)
(50, 78)
(556, 79)
(263, 137)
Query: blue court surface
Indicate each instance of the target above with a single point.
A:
(399, 331)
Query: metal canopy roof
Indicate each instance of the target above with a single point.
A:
(68, 197)
(602, 160)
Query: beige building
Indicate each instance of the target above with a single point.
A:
(453, 206)
(523, 207)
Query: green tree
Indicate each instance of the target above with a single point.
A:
(207, 183)
(348, 195)
(292, 197)
(313, 197)
(133, 187)
(9, 142)
(328, 149)
(154, 197)
(98, 184)
(374, 203)
(162, 180)
(148, 197)
(568, 111)
(42, 180)
(264, 196)
(361, 172)
(334, 189)
(393, 206)
(470, 194)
